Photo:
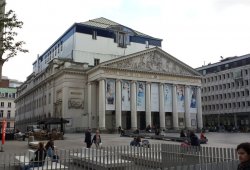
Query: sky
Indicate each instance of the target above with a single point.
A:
(196, 32)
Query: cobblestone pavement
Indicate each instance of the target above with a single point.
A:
(76, 140)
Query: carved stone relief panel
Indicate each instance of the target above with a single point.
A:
(75, 103)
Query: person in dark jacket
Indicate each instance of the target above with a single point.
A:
(182, 134)
(194, 139)
(39, 159)
(243, 151)
(88, 138)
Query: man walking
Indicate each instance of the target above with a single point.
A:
(88, 138)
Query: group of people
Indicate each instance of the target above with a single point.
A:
(192, 139)
(96, 139)
(40, 155)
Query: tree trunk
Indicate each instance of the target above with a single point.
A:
(1, 66)
(2, 12)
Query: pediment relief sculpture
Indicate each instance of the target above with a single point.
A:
(152, 62)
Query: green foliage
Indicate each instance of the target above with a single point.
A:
(8, 45)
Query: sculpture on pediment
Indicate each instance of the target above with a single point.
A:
(154, 62)
(141, 64)
(75, 104)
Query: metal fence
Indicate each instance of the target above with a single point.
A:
(157, 156)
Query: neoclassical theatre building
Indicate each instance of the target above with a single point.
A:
(101, 74)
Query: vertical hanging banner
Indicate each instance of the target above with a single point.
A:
(180, 98)
(168, 104)
(126, 96)
(155, 97)
(3, 131)
(110, 94)
(193, 96)
(140, 96)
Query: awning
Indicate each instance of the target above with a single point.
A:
(49, 121)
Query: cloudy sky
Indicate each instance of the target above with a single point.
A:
(194, 31)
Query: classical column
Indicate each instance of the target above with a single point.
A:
(102, 104)
(162, 111)
(133, 106)
(148, 104)
(199, 108)
(175, 112)
(187, 108)
(118, 100)
(89, 105)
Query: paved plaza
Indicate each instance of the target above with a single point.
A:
(76, 141)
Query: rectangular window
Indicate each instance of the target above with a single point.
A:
(9, 104)
(1, 113)
(2, 104)
(147, 44)
(61, 45)
(8, 114)
(96, 61)
(94, 34)
(243, 104)
(49, 98)
(122, 39)
(58, 47)
(8, 125)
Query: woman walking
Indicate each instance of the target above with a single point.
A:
(97, 139)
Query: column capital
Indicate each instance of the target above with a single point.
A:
(101, 78)
(118, 80)
(198, 87)
(161, 84)
(90, 82)
(148, 82)
(133, 81)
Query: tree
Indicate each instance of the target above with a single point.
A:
(8, 45)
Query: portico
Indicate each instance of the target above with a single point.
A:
(146, 88)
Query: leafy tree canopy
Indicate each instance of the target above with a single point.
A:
(8, 22)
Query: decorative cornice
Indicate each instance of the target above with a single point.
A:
(151, 72)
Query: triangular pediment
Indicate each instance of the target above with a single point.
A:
(152, 60)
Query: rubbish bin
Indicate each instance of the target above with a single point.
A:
(30, 139)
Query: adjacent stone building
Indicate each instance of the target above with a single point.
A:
(111, 76)
(7, 104)
(225, 93)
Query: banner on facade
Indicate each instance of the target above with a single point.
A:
(110, 94)
(126, 96)
(155, 97)
(168, 105)
(3, 131)
(180, 98)
(140, 98)
(193, 98)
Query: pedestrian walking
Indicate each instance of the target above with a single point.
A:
(97, 139)
(88, 138)
(243, 151)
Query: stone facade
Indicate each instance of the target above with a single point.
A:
(78, 93)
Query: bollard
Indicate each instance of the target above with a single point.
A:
(30, 139)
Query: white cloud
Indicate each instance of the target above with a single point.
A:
(194, 31)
